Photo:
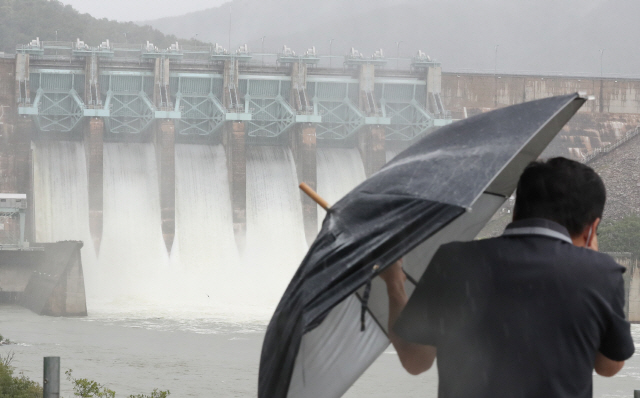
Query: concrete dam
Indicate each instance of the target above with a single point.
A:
(192, 156)
(178, 168)
(111, 97)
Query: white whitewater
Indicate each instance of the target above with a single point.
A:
(132, 253)
(275, 232)
(339, 171)
(61, 198)
(206, 275)
(204, 224)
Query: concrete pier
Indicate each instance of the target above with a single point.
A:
(235, 150)
(303, 148)
(165, 139)
(94, 144)
(371, 143)
(23, 163)
(165, 152)
(371, 138)
(302, 141)
(234, 141)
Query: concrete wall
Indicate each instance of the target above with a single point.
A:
(57, 286)
(489, 91)
(48, 282)
(615, 110)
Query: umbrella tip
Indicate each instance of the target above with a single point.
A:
(583, 94)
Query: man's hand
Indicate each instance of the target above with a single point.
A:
(394, 274)
(415, 358)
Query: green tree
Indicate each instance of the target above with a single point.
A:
(621, 235)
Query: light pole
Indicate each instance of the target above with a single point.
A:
(601, 54)
(330, 59)
(398, 55)
(56, 35)
(495, 60)
(262, 50)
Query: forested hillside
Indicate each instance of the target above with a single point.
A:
(23, 20)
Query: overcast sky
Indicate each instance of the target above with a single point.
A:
(139, 10)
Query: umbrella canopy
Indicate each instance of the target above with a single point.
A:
(331, 322)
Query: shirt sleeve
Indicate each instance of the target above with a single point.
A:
(617, 343)
(427, 317)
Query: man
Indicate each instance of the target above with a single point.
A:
(528, 314)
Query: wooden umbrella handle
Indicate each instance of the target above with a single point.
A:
(314, 195)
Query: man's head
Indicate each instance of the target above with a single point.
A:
(560, 190)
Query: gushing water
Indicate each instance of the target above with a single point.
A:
(275, 230)
(204, 226)
(132, 255)
(60, 186)
(206, 276)
(61, 205)
(339, 171)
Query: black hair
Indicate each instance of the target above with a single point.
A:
(560, 190)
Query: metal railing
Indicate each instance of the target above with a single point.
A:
(528, 72)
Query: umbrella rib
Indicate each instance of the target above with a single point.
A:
(410, 278)
(373, 316)
(494, 194)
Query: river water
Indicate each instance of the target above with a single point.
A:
(198, 357)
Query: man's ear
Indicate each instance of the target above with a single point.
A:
(586, 237)
(589, 232)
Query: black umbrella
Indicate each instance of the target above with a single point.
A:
(330, 325)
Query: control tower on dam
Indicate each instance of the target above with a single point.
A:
(60, 91)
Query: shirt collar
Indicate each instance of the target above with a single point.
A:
(538, 226)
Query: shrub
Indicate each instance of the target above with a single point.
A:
(16, 386)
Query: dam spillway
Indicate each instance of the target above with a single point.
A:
(179, 168)
(117, 94)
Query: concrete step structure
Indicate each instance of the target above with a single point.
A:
(47, 278)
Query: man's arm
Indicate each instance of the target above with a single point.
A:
(415, 358)
(589, 238)
(606, 367)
